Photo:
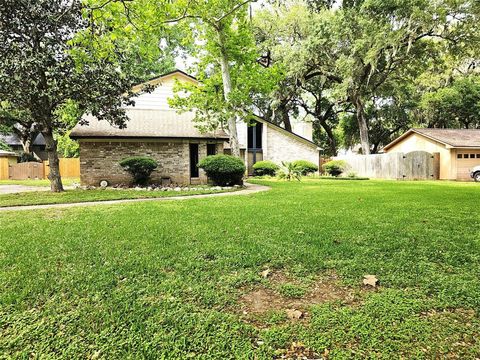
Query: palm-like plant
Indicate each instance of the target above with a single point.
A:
(289, 172)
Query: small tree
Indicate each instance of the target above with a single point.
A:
(140, 168)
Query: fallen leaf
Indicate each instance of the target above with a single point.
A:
(293, 314)
(265, 273)
(370, 280)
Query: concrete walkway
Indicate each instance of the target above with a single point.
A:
(15, 189)
(250, 189)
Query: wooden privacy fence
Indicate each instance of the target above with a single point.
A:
(26, 170)
(3, 169)
(415, 165)
(69, 168)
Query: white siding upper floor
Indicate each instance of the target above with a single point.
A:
(158, 98)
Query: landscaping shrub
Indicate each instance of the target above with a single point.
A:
(265, 167)
(289, 172)
(139, 167)
(335, 167)
(305, 167)
(223, 170)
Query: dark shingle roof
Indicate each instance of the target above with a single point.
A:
(14, 140)
(453, 137)
(147, 124)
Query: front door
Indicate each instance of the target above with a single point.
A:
(193, 160)
(254, 144)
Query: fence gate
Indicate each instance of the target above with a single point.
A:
(419, 165)
(27, 170)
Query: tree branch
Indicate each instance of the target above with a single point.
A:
(232, 10)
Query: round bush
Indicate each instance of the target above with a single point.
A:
(139, 167)
(265, 167)
(224, 170)
(304, 167)
(335, 167)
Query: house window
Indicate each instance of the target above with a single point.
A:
(255, 135)
(478, 156)
(459, 156)
(465, 156)
(211, 149)
(193, 160)
(472, 156)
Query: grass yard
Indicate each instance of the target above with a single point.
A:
(182, 280)
(40, 182)
(78, 195)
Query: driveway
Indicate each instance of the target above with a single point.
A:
(13, 189)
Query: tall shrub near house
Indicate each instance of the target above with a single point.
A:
(140, 168)
(223, 170)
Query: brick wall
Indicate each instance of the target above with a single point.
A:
(99, 160)
(279, 147)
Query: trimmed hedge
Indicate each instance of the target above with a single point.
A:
(265, 167)
(223, 170)
(335, 167)
(139, 167)
(304, 167)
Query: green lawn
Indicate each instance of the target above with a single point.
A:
(174, 279)
(74, 196)
(43, 182)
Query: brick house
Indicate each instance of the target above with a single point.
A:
(157, 131)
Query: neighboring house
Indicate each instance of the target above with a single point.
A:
(37, 147)
(459, 149)
(158, 131)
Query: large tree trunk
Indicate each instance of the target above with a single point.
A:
(331, 137)
(362, 125)
(285, 118)
(227, 89)
(27, 146)
(53, 162)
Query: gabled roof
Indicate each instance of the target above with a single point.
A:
(290, 133)
(156, 123)
(158, 79)
(148, 123)
(451, 138)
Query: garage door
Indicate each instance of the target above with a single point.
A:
(465, 162)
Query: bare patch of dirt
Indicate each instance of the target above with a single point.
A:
(262, 300)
